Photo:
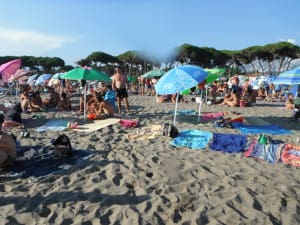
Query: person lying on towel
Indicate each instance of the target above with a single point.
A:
(102, 108)
(8, 152)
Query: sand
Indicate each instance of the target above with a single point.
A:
(150, 182)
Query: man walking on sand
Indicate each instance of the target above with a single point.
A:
(119, 84)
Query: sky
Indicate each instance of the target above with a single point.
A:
(73, 29)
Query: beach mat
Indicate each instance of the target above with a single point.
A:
(194, 139)
(54, 125)
(260, 129)
(96, 125)
(209, 116)
(228, 143)
(145, 133)
(33, 162)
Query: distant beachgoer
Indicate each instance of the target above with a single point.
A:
(162, 98)
(231, 100)
(25, 100)
(12, 118)
(8, 149)
(119, 84)
(290, 103)
(110, 96)
(64, 103)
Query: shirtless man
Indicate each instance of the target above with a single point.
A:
(119, 83)
(8, 152)
(231, 100)
(53, 100)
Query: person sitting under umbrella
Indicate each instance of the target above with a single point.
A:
(64, 103)
(36, 102)
(8, 149)
(102, 109)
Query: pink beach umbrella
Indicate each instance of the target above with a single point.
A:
(8, 69)
(20, 73)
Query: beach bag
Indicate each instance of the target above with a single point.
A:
(62, 146)
(169, 130)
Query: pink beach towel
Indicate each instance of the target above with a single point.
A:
(209, 116)
(128, 123)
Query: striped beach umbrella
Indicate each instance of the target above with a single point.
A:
(289, 77)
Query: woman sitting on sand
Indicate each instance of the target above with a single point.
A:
(25, 100)
(232, 99)
(64, 103)
(261, 92)
(290, 103)
(37, 103)
(102, 109)
(8, 149)
(53, 100)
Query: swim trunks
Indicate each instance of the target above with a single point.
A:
(122, 92)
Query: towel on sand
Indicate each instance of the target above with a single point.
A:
(33, 162)
(259, 129)
(267, 152)
(291, 155)
(56, 125)
(209, 116)
(228, 142)
(195, 139)
(184, 112)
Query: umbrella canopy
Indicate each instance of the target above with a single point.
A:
(180, 79)
(18, 74)
(86, 74)
(57, 76)
(8, 69)
(213, 74)
(42, 79)
(153, 73)
(289, 77)
(32, 78)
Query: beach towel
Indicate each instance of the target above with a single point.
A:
(228, 143)
(96, 125)
(184, 112)
(209, 116)
(34, 162)
(291, 155)
(267, 152)
(54, 125)
(144, 133)
(128, 123)
(194, 139)
(259, 129)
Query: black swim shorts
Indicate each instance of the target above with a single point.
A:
(122, 92)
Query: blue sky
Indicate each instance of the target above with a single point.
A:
(72, 29)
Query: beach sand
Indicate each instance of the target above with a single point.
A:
(150, 182)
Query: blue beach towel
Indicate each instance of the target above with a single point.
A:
(260, 129)
(184, 112)
(195, 139)
(40, 162)
(228, 142)
(56, 125)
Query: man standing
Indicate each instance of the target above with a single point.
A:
(119, 84)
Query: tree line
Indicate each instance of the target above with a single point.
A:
(267, 59)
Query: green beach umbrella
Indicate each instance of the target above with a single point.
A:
(86, 74)
(214, 74)
(153, 73)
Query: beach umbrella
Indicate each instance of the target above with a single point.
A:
(8, 69)
(18, 74)
(86, 74)
(42, 79)
(153, 73)
(57, 76)
(32, 78)
(213, 74)
(180, 79)
(289, 77)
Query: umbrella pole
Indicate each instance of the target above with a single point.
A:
(84, 104)
(176, 105)
(200, 106)
(206, 88)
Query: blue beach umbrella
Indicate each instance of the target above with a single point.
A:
(32, 78)
(42, 79)
(180, 79)
(289, 77)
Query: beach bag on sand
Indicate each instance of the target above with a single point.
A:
(62, 146)
(169, 130)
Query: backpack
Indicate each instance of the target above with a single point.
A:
(169, 130)
(62, 146)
